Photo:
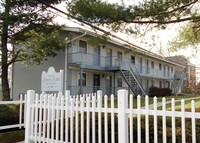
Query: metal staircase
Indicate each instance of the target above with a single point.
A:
(132, 78)
(177, 87)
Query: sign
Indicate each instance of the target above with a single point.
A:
(52, 80)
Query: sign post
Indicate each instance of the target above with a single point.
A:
(52, 80)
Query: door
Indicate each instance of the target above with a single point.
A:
(108, 57)
(147, 67)
(96, 82)
(96, 56)
(119, 58)
(108, 85)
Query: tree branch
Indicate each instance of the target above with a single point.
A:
(14, 59)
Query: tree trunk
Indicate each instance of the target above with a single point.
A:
(4, 57)
(4, 66)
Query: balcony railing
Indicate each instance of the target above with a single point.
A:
(106, 62)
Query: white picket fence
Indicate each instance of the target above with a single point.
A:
(95, 118)
(22, 111)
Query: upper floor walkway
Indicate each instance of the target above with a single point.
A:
(109, 63)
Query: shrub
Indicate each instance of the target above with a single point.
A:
(159, 92)
(9, 114)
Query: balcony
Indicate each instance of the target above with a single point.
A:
(92, 61)
(154, 72)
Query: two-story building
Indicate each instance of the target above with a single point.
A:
(190, 82)
(91, 64)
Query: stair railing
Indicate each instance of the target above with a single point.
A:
(128, 65)
(180, 83)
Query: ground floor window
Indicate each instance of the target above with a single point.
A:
(160, 84)
(119, 82)
(83, 79)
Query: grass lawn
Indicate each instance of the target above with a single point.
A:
(12, 136)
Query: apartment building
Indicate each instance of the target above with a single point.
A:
(108, 65)
(189, 84)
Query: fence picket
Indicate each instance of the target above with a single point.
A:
(131, 118)
(106, 118)
(155, 120)
(71, 120)
(99, 96)
(93, 119)
(20, 111)
(44, 118)
(52, 117)
(66, 116)
(88, 118)
(139, 118)
(193, 122)
(112, 120)
(82, 119)
(147, 119)
(40, 115)
(164, 120)
(77, 117)
(36, 118)
(183, 121)
(173, 121)
(49, 118)
(57, 117)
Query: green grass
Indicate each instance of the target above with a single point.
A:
(12, 136)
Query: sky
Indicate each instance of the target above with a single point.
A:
(162, 38)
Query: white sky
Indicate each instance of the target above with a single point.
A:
(163, 37)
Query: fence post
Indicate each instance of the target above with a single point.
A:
(122, 116)
(30, 101)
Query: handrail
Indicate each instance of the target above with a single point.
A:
(136, 76)
(180, 83)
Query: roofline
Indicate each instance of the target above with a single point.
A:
(130, 47)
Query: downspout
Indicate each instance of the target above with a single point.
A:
(66, 62)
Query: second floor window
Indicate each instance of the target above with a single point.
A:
(82, 46)
(160, 67)
(119, 56)
(133, 59)
(152, 64)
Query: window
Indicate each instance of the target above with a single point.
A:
(119, 56)
(83, 79)
(140, 65)
(119, 82)
(172, 70)
(152, 64)
(160, 67)
(133, 59)
(82, 46)
(160, 84)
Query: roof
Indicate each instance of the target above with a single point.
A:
(124, 44)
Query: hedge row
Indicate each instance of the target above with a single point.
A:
(159, 92)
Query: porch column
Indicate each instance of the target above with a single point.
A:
(81, 80)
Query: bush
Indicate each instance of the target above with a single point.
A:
(159, 92)
(9, 114)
